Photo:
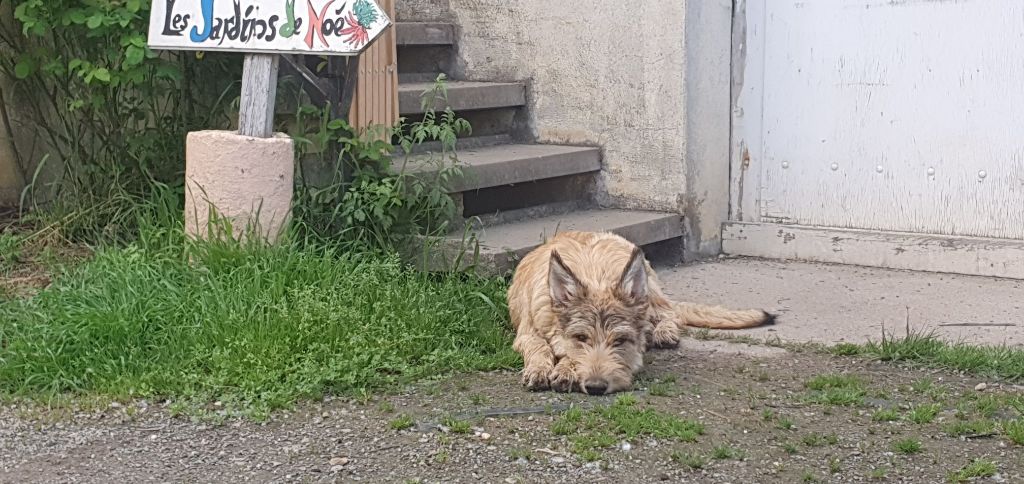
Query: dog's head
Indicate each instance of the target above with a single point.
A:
(602, 328)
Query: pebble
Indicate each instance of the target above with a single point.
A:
(485, 436)
(557, 460)
(339, 461)
(626, 447)
(981, 387)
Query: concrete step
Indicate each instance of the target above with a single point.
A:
(497, 249)
(495, 166)
(424, 33)
(463, 96)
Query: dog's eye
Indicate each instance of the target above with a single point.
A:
(621, 342)
(582, 338)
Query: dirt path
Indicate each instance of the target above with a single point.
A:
(749, 406)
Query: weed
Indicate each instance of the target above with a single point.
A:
(589, 455)
(925, 348)
(401, 422)
(834, 465)
(660, 389)
(457, 426)
(1014, 430)
(814, 439)
(723, 452)
(923, 386)
(767, 415)
(972, 427)
(845, 349)
(518, 453)
(886, 415)
(922, 414)
(835, 389)
(604, 427)
(386, 407)
(789, 448)
(808, 476)
(477, 399)
(975, 469)
(785, 423)
(988, 405)
(693, 461)
(907, 446)
(879, 473)
(442, 457)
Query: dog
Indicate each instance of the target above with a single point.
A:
(586, 306)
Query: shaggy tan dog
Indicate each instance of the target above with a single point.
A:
(586, 306)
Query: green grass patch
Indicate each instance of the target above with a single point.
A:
(623, 420)
(725, 452)
(971, 427)
(926, 349)
(1014, 430)
(693, 461)
(835, 389)
(254, 327)
(814, 439)
(457, 426)
(886, 415)
(907, 446)
(976, 469)
(401, 422)
(922, 414)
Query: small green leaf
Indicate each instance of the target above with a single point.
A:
(133, 5)
(94, 21)
(76, 16)
(133, 55)
(24, 68)
(102, 74)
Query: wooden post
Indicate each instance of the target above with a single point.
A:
(259, 90)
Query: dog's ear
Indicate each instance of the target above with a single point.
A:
(633, 283)
(562, 283)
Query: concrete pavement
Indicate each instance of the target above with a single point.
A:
(833, 303)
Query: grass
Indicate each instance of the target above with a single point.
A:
(972, 427)
(725, 452)
(925, 349)
(590, 430)
(907, 446)
(923, 414)
(457, 426)
(835, 389)
(785, 423)
(886, 415)
(401, 422)
(879, 473)
(693, 461)
(975, 469)
(814, 439)
(1014, 430)
(835, 465)
(789, 448)
(257, 328)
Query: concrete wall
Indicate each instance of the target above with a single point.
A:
(647, 81)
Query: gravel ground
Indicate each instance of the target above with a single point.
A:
(752, 399)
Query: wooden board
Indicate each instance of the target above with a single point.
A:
(376, 98)
(894, 250)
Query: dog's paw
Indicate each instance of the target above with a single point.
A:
(536, 378)
(665, 336)
(562, 379)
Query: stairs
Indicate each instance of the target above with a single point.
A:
(513, 193)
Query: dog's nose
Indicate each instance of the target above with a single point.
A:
(596, 387)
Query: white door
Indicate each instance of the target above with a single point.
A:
(902, 116)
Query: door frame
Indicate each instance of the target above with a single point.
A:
(749, 232)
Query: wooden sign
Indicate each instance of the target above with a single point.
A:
(333, 27)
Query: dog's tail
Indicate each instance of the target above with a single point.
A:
(717, 317)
